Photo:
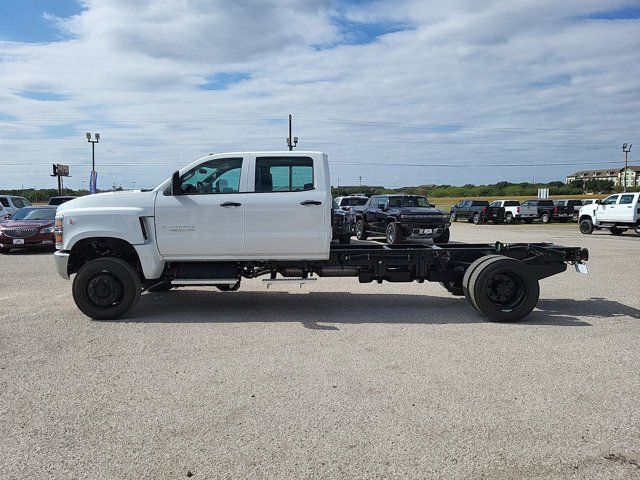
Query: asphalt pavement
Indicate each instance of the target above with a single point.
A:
(335, 380)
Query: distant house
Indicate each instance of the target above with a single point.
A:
(586, 175)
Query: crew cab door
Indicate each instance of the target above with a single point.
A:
(625, 209)
(207, 220)
(288, 207)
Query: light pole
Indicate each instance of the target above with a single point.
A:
(133, 184)
(93, 149)
(626, 148)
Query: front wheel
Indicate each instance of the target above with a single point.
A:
(444, 236)
(106, 288)
(453, 216)
(361, 230)
(476, 218)
(394, 234)
(508, 218)
(545, 217)
(586, 226)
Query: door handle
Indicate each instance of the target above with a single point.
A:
(310, 202)
(230, 204)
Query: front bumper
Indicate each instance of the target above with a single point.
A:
(424, 229)
(62, 263)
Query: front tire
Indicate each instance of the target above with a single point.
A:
(545, 218)
(394, 234)
(106, 288)
(586, 226)
(508, 218)
(361, 230)
(476, 218)
(453, 216)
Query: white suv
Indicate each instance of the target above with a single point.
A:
(10, 205)
(618, 213)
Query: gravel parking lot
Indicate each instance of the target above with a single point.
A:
(336, 380)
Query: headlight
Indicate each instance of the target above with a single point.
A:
(47, 230)
(57, 229)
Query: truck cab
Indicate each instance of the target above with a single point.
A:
(619, 213)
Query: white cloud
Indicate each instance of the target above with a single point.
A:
(500, 82)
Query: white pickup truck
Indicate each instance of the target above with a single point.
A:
(250, 214)
(514, 212)
(618, 213)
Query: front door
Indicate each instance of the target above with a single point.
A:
(288, 210)
(606, 210)
(207, 220)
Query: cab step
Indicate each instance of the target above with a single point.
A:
(283, 281)
(204, 281)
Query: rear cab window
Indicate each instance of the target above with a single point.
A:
(284, 174)
(511, 203)
(626, 199)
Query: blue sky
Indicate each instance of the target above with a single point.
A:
(400, 92)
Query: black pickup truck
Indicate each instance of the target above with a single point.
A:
(476, 211)
(567, 209)
(546, 209)
(400, 216)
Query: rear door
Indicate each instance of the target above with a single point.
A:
(624, 210)
(288, 208)
(207, 220)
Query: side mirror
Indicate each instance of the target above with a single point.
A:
(599, 202)
(175, 184)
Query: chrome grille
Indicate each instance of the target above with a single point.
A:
(22, 232)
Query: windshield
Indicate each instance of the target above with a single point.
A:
(353, 201)
(35, 214)
(408, 202)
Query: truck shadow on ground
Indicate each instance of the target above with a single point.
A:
(324, 311)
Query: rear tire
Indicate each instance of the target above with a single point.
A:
(476, 218)
(616, 231)
(545, 218)
(586, 226)
(470, 271)
(444, 238)
(394, 234)
(361, 230)
(502, 289)
(106, 288)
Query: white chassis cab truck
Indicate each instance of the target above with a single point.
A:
(250, 214)
(618, 213)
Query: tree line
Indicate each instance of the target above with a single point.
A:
(500, 189)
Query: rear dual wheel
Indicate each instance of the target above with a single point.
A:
(501, 288)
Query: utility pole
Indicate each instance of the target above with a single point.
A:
(626, 148)
(360, 179)
(291, 141)
(338, 182)
(35, 192)
(133, 184)
(93, 159)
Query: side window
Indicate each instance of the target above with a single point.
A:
(496, 204)
(220, 175)
(284, 174)
(17, 202)
(611, 200)
(4, 201)
(626, 199)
